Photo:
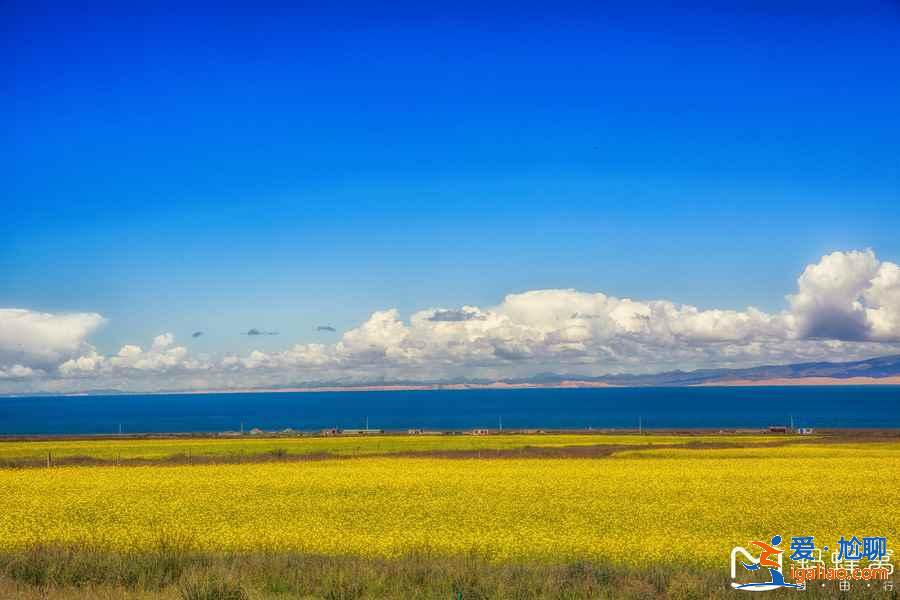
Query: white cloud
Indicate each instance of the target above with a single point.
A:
(161, 342)
(848, 296)
(882, 301)
(34, 339)
(383, 334)
(162, 356)
(17, 372)
(846, 307)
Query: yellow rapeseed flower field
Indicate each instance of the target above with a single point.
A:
(640, 507)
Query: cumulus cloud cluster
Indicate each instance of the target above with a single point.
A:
(35, 342)
(848, 296)
(162, 355)
(846, 306)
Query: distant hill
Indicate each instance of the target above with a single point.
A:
(883, 370)
(881, 367)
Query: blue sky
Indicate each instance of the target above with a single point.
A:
(191, 169)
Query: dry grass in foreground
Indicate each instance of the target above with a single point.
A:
(174, 572)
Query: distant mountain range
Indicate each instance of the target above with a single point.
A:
(883, 367)
(884, 370)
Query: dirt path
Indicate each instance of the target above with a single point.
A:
(558, 452)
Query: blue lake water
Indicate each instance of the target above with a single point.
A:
(844, 406)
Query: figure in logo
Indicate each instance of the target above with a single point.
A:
(770, 557)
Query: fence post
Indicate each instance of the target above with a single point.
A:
(49, 459)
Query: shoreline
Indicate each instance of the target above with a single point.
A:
(893, 380)
(819, 434)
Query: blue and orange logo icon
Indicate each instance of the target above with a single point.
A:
(770, 557)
